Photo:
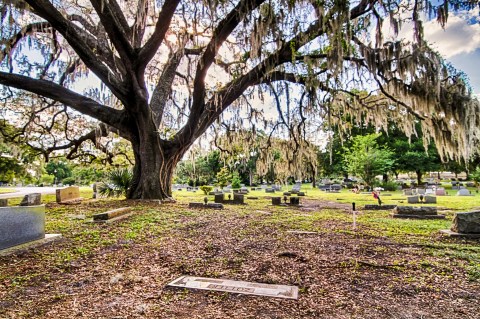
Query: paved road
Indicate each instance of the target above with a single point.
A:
(22, 191)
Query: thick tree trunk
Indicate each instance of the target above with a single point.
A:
(419, 177)
(154, 165)
(153, 173)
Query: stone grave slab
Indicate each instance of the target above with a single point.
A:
(69, 194)
(460, 235)
(21, 224)
(34, 199)
(208, 205)
(252, 197)
(3, 202)
(302, 232)
(440, 192)
(416, 212)
(407, 192)
(379, 207)
(241, 287)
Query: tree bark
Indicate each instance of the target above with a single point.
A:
(419, 177)
(155, 161)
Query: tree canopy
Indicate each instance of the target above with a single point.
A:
(160, 73)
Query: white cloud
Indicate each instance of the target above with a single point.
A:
(458, 37)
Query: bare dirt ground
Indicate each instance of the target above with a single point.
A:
(121, 270)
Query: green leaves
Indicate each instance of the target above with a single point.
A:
(366, 159)
(119, 181)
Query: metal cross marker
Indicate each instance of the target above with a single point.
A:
(242, 287)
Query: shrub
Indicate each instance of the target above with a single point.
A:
(236, 180)
(206, 189)
(223, 177)
(389, 186)
(119, 181)
(69, 181)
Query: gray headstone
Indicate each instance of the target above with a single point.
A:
(463, 192)
(294, 201)
(21, 224)
(34, 199)
(467, 223)
(420, 191)
(219, 198)
(413, 200)
(276, 200)
(407, 192)
(430, 200)
(238, 199)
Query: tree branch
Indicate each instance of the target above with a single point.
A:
(61, 94)
(152, 45)
(75, 37)
(110, 14)
(164, 86)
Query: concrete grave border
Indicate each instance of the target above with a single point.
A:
(113, 215)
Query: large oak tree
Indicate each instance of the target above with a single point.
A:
(170, 68)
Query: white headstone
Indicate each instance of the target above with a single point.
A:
(463, 192)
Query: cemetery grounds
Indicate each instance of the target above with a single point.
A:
(384, 268)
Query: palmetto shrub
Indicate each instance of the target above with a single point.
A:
(119, 181)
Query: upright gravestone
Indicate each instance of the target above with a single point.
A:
(3, 202)
(421, 191)
(430, 200)
(21, 224)
(219, 198)
(276, 201)
(466, 223)
(463, 192)
(31, 200)
(238, 199)
(68, 194)
(440, 191)
(294, 201)
(94, 186)
(413, 200)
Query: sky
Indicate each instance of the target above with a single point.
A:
(459, 43)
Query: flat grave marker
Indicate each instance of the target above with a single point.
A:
(241, 287)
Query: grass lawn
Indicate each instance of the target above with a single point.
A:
(6, 190)
(385, 268)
